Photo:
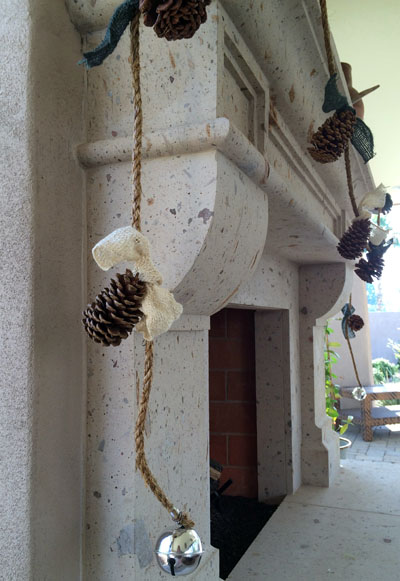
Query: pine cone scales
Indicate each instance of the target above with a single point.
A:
(116, 310)
(355, 239)
(368, 270)
(174, 19)
(331, 139)
(355, 322)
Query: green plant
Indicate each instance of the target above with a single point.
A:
(332, 394)
(384, 371)
(395, 347)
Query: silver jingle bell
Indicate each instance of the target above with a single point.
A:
(179, 552)
(359, 393)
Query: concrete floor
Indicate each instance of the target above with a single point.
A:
(348, 531)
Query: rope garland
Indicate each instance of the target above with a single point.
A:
(350, 182)
(327, 38)
(137, 123)
(332, 71)
(141, 461)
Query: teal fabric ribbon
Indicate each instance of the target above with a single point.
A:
(363, 140)
(120, 19)
(347, 311)
(333, 101)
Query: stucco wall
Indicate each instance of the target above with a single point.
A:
(16, 352)
(41, 346)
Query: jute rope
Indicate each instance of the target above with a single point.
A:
(332, 71)
(141, 461)
(137, 123)
(327, 38)
(350, 181)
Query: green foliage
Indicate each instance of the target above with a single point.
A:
(345, 424)
(332, 394)
(395, 347)
(384, 371)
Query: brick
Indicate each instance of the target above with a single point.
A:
(242, 451)
(217, 386)
(240, 324)
(218, 324)
(241, 385)
(230, 354)
(218, 448)
(245, 481)
(233, 418)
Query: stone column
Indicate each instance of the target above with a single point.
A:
(323, 290)
(206, 218)
(41, 293)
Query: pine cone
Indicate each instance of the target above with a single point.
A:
(355, 322)
(174, 19)
(366, 270)
(355, 239)
(116, 310)
(149, 10)
(331, 139)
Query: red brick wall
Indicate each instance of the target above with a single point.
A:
(233, 429)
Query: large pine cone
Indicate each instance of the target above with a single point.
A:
(331, 139)
(355, 239)
(174, 19)
(355, 322)
(369, 269)
(149, 10)
(116, 310)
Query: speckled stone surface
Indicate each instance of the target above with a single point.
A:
(349, 531)
(119, 506)
(17, 344)
(322, 290)
(275, 286)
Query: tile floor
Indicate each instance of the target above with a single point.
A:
(385, 446)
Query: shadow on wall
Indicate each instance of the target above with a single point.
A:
(384, 326)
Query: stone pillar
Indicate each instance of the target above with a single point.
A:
(206, 218)
(274, 413)
(123, 518)
(41, 296)
(323, 289)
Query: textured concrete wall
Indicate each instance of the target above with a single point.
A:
(56, 98)
(41, 355)
(16, 291)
